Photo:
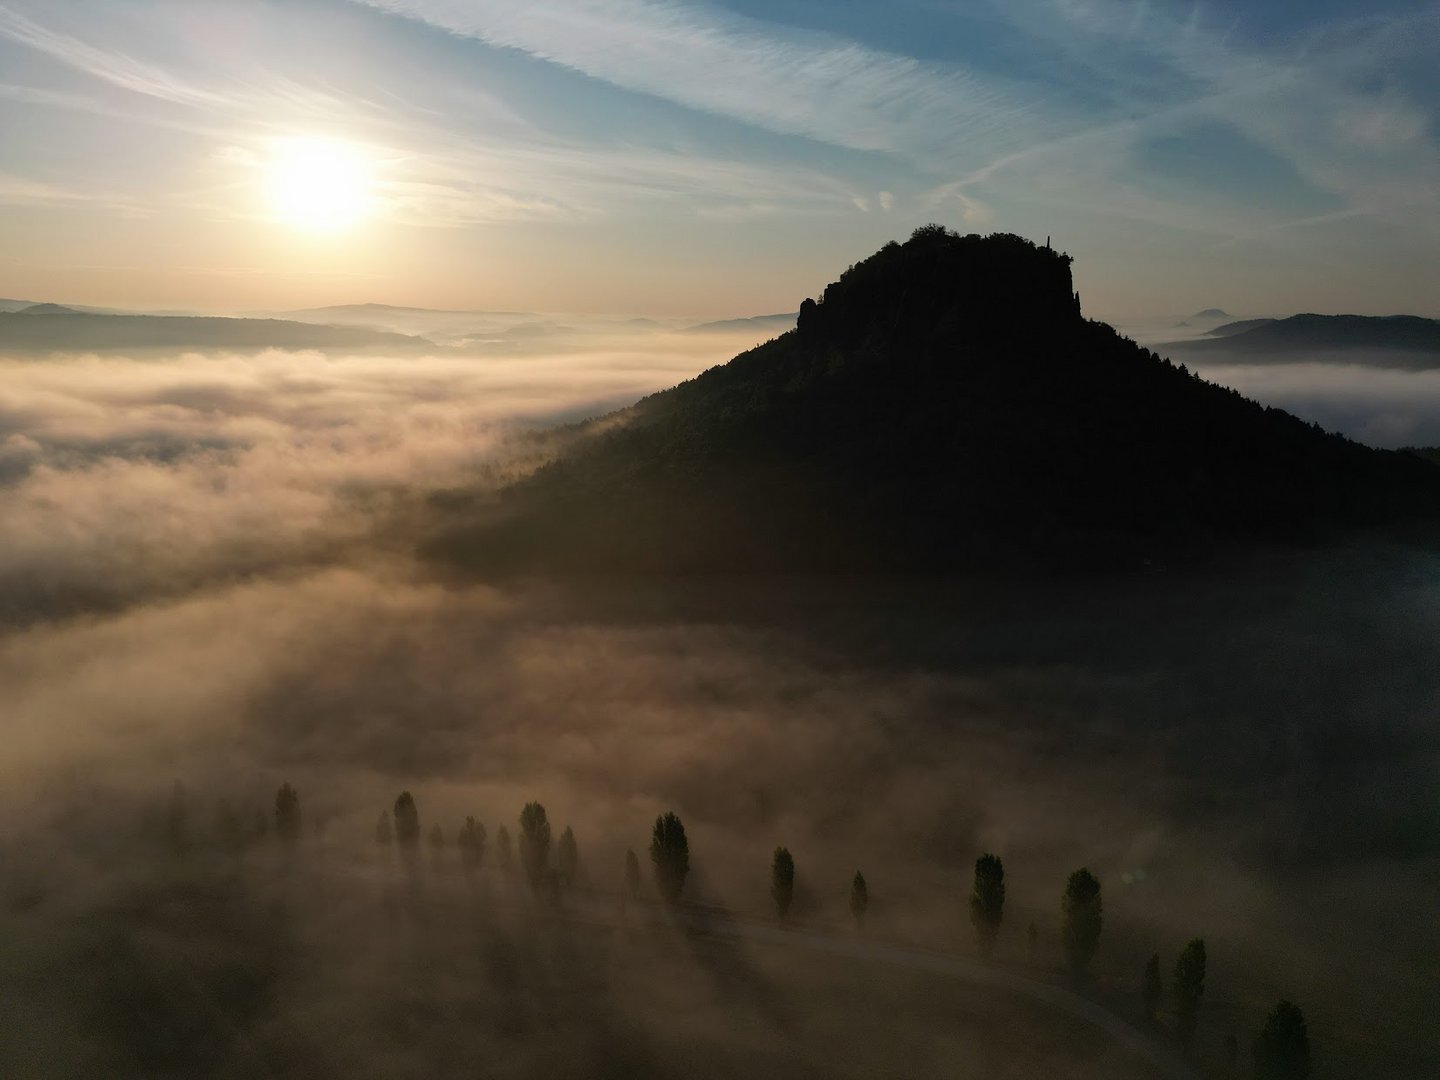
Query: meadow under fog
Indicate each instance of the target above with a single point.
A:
(209, 579)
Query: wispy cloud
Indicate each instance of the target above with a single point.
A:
(1314, 103)
(115, 68)
(820, 87)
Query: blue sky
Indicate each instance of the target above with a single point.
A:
(670, 156)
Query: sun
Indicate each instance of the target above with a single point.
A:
(319, 185)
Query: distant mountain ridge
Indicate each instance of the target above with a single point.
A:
(1407, 341)
(374, 310)
(1240, 327)
(944, 406)
(775, 324)
(49, 328)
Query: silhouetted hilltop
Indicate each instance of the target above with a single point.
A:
(1210, 314)
(1406, 341)
(64, 330)
(943, 406)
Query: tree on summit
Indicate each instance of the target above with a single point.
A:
(931, 231)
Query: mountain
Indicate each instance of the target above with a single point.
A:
(1397, 341)
(1210, 314)
(766, 324)
(943, 407)
(56, 329)
(15, 305)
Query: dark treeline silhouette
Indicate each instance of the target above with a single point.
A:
(943, 406)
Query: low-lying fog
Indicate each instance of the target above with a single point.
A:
(1370, 398)
(208, 581)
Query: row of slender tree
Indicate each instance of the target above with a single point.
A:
(400, 825)
(1280, 1052)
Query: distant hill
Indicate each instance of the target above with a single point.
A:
(15, 305)
(943, 407)
(1241, 327)
(1403, 341)
(56, 329)
(381, 315)
(49, 309)
(765, 324)
(1210, 314)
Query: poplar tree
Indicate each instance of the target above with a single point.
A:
(859, 898)
(782, 880)
(670, 854)
(534, 843)
(1082, 908)
(987, 900)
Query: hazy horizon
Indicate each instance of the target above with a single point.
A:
(562, 157)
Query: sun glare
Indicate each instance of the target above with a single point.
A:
(320, 185)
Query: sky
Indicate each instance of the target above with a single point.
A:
(729, 158)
